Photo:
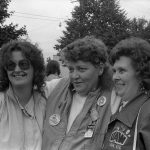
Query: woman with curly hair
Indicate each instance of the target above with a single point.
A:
(129, 127)
(23, 95)
(78, 109)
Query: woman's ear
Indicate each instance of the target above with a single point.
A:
(101, 69)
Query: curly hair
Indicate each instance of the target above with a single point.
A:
(89, 49)
(32, 53)
(138, 50)
(52, 67)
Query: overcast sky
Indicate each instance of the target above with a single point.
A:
(42, 18)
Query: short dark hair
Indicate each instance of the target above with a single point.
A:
(86, 49)
(138, 50)
(52, 67)
(32, 53)
(89, 49)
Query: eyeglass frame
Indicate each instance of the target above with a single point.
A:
(19, 63)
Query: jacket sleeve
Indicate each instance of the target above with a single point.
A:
(143, 140)
(50, 86)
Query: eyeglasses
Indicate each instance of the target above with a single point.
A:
(23, 65)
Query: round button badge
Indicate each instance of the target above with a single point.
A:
(101, 101)
(54, 119)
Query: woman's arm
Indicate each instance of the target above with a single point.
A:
(50, 85)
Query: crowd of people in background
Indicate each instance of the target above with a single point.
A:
(102, 105)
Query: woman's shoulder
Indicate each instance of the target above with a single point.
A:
(144, 115)
(145, 109)
(144, 112)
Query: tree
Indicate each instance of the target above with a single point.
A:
(8, 32)
(102, 18)
(140, 27)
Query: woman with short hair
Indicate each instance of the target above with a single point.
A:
(78, 109)
(129, 127)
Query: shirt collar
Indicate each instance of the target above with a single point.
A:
(129, 113)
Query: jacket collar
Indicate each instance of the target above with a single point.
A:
(29, 107)
(129, 113)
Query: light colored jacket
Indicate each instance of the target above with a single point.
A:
(18, 131)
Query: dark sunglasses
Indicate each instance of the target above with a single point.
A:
(23, 65)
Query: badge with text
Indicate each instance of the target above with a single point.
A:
(54, 119)
(88, 133)
(101, 101)
(94, 114)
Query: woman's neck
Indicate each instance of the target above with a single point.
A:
(131, 95)
(23, 94)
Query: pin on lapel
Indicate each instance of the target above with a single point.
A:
(101, 101)
(54, 119)
(88, 133)
(94, 114)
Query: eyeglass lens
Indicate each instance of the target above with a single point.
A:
(23, 65)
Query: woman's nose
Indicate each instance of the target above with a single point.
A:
(75, 74)
(17, 68)
(116, 76)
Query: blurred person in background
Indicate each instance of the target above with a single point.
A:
(52, 70)
(78, 109)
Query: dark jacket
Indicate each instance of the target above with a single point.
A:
(120, 133)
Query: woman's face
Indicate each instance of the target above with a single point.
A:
(19, 70)
(84, 76)
(125, 78)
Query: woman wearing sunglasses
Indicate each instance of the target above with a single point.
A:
(23, 96)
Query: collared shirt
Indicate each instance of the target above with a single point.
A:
(19, 131)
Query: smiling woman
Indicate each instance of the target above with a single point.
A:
(23, 95)
(19, 70)
(129, 127)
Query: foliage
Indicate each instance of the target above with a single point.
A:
(8, 32)
(140, 27)
(102, 18)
